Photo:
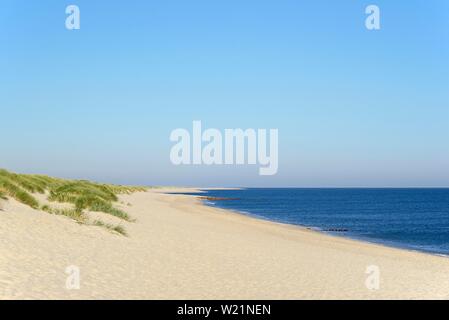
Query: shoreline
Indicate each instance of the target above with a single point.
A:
(309, 228)
(179, 248)
(327, 233)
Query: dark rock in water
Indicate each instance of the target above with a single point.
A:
(217, 198)
(336, 230)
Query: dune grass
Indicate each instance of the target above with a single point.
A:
(89, 196)
(83, 195)
(13, 187)
(118, 228)
(74, 214)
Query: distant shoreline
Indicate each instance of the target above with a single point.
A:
(324, 232)
(337, 232)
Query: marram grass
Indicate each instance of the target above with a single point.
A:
(74, 214)
(119, 229)
(89, 196)
(83, 195)
(10, 188)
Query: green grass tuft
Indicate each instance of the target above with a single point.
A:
(118, 228)
(97, 204)
(74, 214)
(9, 186)
(71, 191)
(89, 196)
(84, 195)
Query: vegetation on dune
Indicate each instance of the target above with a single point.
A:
(71, 191)
(82, 194)
(124, 189)
(92, 196)
(78, 216)
(118, 229)
(12, 187)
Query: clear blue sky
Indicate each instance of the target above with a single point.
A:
(353, 107)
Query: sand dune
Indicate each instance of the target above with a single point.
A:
(180, 249)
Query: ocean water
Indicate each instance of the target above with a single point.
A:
(416, 219)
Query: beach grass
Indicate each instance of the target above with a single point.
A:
(83, 195)
(90, 196)
(10, 186)
(78, 216)
(115, 228)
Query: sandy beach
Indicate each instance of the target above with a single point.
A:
(179, 248)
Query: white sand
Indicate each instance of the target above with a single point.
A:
(180, 249)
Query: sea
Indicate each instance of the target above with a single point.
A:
(412, 218)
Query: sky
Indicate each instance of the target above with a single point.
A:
(354, 107)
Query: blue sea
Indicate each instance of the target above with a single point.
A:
(416, 219)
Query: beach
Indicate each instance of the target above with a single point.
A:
(179, 248)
